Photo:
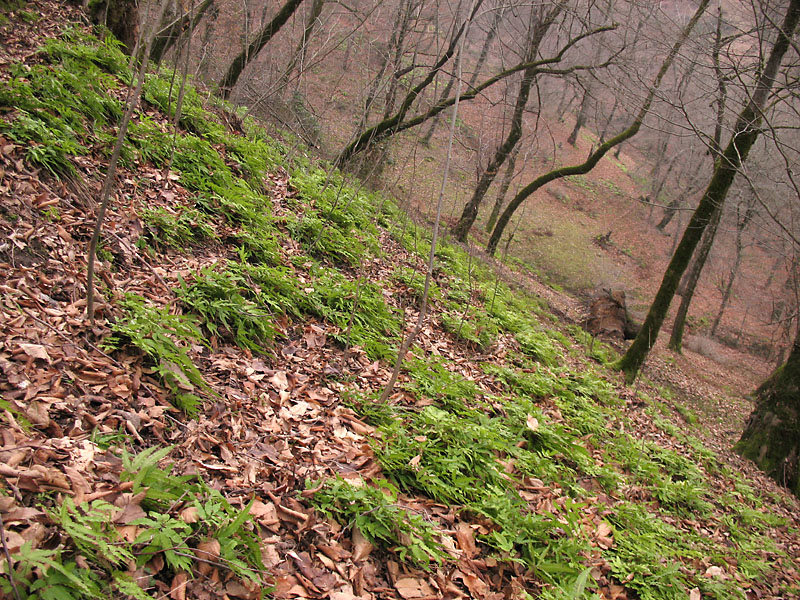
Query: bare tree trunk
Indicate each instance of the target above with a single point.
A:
(404, 347)
(609, 120)
(397, 122)
(401, 21)
(426, 140)
(105, 194)
(498, 17)
(501, 196)
(171, 32)
(470, 212)
(601, 151)
(727, 292)
(689, 282)
(770, 437)
(121, 17)
(582, 114)
(299, 55)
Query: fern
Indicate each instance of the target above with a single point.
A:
(90, 526)
(219, 298)
(154, 331)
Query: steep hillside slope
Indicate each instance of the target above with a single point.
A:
(216, 432)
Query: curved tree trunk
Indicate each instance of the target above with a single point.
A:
(771, 438)
(501, 196)
(745, 133)
(248, 54)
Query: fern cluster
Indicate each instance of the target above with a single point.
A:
(373, 510)
(88, 535)
(163, 337)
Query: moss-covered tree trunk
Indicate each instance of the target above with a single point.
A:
(745, 133)
(771, 438)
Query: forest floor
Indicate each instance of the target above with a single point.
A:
(216, 431)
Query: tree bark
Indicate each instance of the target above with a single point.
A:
(771, 438)
(470, 212)
(745, 133)
(690, 282)
(601, 151)
(256, 45)
(121, 17)
(501, 196)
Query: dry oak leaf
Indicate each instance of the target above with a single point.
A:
(478, 588)
(35, 351)
(288, 586)
(361, 546)
(604, 535)
(694, 594)
(466, 539)
(207, 552)
(411, 587)
(177, 590)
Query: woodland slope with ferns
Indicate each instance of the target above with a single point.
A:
(216, 430)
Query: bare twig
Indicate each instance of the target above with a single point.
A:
(8, 559)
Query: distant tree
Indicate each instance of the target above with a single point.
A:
(692, 277)
(583, 113)
(771, 437)
(745, 132)
(541, 20)
(255, 46)
(743, 217)
(401, 120)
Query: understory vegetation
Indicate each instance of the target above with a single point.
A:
(533, 444)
